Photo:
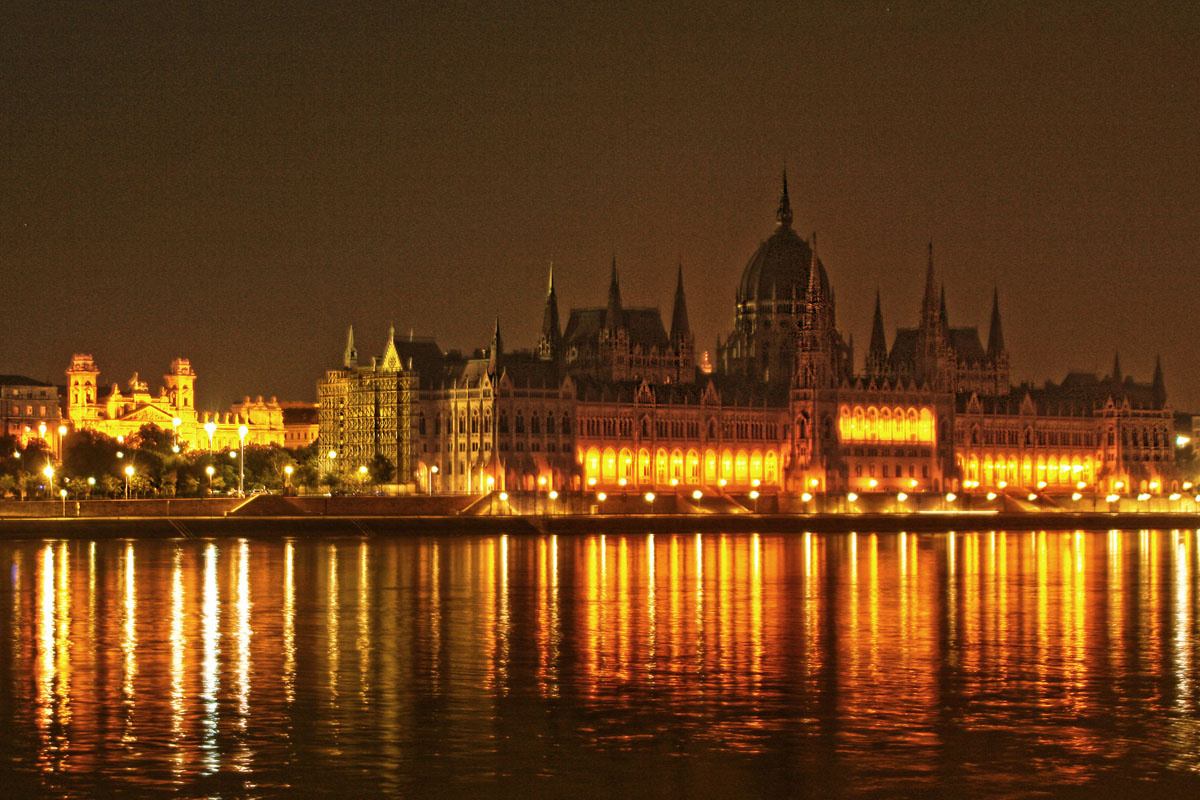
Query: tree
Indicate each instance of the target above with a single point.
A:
(381, 469)
(88, 454)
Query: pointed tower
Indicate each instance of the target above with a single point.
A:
(929, 302)
(681, 334)
(814, 367)
(550, 343)
(943, 317)
(877, 353)
(1159, 387)
(997, 354)
(614, 318)
(995, 333)
(496, 350)
(350, 358)
(1116, 370)
(784, 215)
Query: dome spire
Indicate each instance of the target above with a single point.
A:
(613, 318)
(784, 214)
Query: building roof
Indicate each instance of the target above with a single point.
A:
(645, 326)
(22, 380)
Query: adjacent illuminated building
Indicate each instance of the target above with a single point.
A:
(616, 401)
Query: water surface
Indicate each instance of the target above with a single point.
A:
(987, 663)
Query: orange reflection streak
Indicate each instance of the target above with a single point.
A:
(333, 653)
(210, 680)
(853, 604)
(543, 616)
(724, 610)
(624, 608)
(701, 641)
(1116, 597)
(129, 643)
(651, 607)
(242, 633)
(289, 621)
(555, 624)
(435, 618)
(756, 612)
(44, 666)
(503, 622)
(1043, 607)
(363, 644)
(63, 645)
(873, 600)
(178, 649)
(1182, 620)
(811, 605)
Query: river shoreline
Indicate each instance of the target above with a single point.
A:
(163, 527)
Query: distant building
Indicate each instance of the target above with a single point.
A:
(121, 413)
(300, 423)
(616, 401)
(29, 409)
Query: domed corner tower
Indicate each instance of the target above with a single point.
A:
(180, 382)
(82, 388)
(770, 305)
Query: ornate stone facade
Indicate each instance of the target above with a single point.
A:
(616, 401)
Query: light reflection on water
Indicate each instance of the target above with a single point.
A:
(654, 664)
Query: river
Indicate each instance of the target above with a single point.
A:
(739, 665)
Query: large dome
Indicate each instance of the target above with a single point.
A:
(780, 267)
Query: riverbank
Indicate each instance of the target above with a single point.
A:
(159, 527)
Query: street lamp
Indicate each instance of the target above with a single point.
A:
(210, 470)
(287, 478)
(49, 473)
(433, 471)
(62, 432)
(175, 423)
(128, 475)
(242, 431)
(63, 494)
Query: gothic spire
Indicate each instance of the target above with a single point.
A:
(496, 350)
(614, 318)
(996, 334)
(877, 351)
(1116, 370)
(1159, 387)
(350, 359)
(680, 329)
(784, 214)
(551, 340)
(814, 293)
(929, 309)
(943, 318)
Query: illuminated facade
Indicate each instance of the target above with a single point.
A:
(616, 402)
(122, 413)
(29, 410)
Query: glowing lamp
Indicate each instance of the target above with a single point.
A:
(1182, 441)
(1154, 486)
(591, 481)
(754, 494)
(1112, 498)
(1119, 485)
(62, 493)
(814, 482)
(649, 497)
(601, 496)
(696, 495)
(92, 481)
(1032, 496)
(553, 495)
(951, 497)
(542, 480)
(1002, 484)
(872, 483)
(1081, 485)
(1187, 485)
(288, 470)
(912, 484)
(129, 470)
(209, 469)
(62, 430)
(991, 495)
(362, 470)
(1041, 484)
(806, 497)
(852, 497)
(1144, 496)
(622, 482)
(504, 496)
(333, 454)
(1175, 495)
(902, 497)
(674, 481)
(722, 482)
(1076, 495)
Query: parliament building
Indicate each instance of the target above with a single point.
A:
(616, 400)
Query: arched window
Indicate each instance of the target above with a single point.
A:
(710, 467)
(520, 422)
(693, 467)
(644, 466)
(535, 423)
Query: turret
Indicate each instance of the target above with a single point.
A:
(1159, 387)
(1116, 370)
(350, 359)
(550, 344)
(614, 318)
(784, 215)
(496, 351)
(929, 302)
(996, 333)
(679, 316)
(877, 353)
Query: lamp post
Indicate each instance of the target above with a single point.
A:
(287, 478)
(242, 431)
(433, 471)
(210, 470)
(62, 433)
(175, 423)
(49, 473)
(128, 475)
(63, 494)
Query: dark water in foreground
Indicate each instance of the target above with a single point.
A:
(738, 665)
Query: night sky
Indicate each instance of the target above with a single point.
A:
(236, 183)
